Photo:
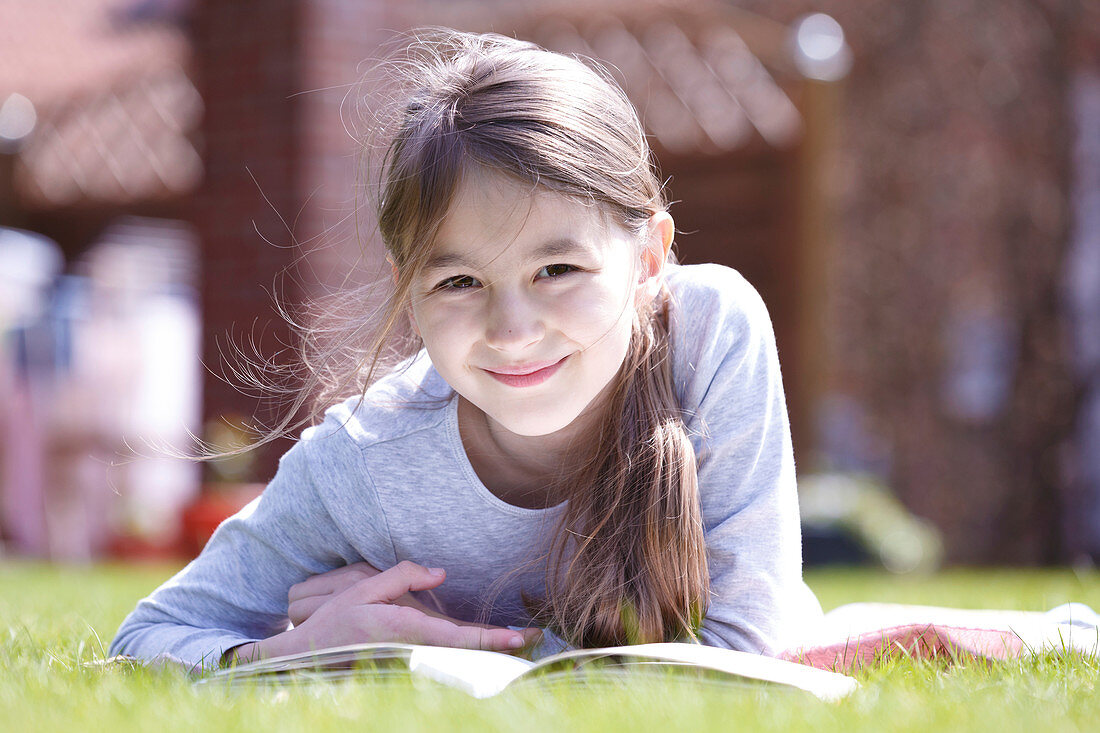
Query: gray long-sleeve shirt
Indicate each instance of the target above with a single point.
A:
(388, 480)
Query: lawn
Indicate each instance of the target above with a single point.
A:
(53, 620)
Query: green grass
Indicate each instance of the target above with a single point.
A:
(53, 620)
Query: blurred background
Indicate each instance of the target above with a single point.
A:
(913, 187)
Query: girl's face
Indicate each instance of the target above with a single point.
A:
(527, 301)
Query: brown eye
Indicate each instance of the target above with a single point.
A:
(555, 270)
(461, 282)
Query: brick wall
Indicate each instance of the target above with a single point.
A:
(953, 188)
(279, 170)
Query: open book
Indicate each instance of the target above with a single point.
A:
(483, 674)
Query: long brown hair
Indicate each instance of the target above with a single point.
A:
(627, 563)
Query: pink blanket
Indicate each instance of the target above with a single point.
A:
(861, 635)
(920, 641)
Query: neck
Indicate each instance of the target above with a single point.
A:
(499, 455)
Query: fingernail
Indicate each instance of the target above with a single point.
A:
(436, 571)
(516, 642)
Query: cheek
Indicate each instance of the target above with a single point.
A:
(597, 317)
(443, 330)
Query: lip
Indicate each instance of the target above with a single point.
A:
(525, 375)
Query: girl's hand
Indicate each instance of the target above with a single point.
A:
(306, 597)
(368, 607)
(365, 608)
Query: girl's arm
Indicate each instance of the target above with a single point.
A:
(314, 595)
(233, 597)
(737, 416)
(368, 610)
(235, 591)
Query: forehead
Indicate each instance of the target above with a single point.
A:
(492, 214)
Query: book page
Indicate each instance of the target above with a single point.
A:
(475, 672)
(341, 658)
(484, 674)
(478, 673)
(825, 685)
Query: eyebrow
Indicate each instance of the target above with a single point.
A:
(553, 248)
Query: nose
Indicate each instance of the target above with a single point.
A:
(512, 322)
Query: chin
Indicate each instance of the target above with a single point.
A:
(535, 422)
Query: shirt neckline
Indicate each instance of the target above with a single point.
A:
(475, 482)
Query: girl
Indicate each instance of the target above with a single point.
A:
(593, 441)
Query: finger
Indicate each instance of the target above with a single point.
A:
(298, 611)
(362, 567)
(412, 602)
(301, 591)
(531, 634)
(440, 632)
(391, 584)
(327, 583)
(332, 582)
(301, 609)
(318, 585)
(425, 601)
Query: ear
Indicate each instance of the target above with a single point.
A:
(660, 232)
(393, 268)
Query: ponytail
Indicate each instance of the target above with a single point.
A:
(628, 564)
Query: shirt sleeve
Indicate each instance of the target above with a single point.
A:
(235, 591)
(736, 415)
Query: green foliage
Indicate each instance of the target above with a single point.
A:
(628, 617)
(55, 624)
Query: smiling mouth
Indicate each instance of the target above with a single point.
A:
(526, 375)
